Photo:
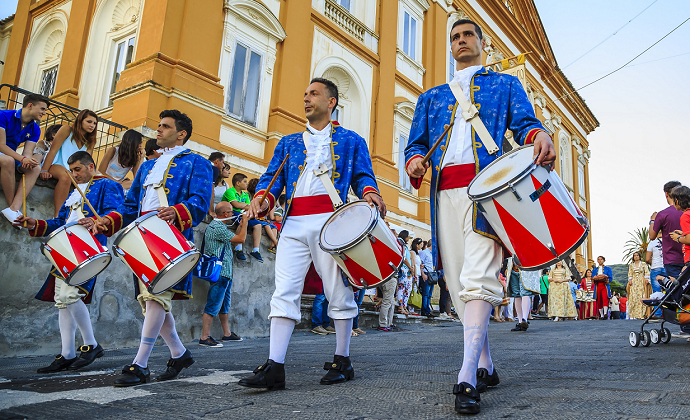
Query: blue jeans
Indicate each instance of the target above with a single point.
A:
(219, 297)
(359, 297)
(427, 292)
(655, 286)
(319, 311)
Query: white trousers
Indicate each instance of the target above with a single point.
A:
(470, 261)
(298, 246)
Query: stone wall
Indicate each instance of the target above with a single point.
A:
(30, 326)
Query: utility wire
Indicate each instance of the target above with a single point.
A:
(610, 36)
(624, 65)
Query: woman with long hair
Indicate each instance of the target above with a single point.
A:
(119, 160)
(586, 309)
(221, 183)
(561, 303)
(638, 287)
(416, 265)
(80, 136)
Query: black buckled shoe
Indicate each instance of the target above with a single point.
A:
(340, 370)
(484, 380)
(517, 327)
(133, 375)
(466, 399)
(175, 366)
(88, 354)
(59, 363)
(524, 325)
(269, 375)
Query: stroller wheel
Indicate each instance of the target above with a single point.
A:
(655, 336)
(645, 339)
(665, 335)
(634, 339)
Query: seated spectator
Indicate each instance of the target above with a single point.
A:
(221, 184)
(153, 151)
(258, 226)
(42, 147)
(277, 218)
(80, 136)
(240, 200)
(218, 238)
(119, 160)
(217, 161)
(18, 127)
(320, 321)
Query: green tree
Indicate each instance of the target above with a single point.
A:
(637, 243)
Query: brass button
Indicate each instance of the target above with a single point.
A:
(301, 167)
(444, 127)
(443, 148)
(437, 167)
(450, 107)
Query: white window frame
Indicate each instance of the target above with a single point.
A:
(118, 64)
(43, 72)
(565, 160)
(249, 50)
(404, 179)
(345, 4)
(410, 38)
(338, 114)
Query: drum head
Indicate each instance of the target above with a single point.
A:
(347, 225)
(89, 269)
(496, 176)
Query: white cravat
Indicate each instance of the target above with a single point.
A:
(75, 198)
(155, 176)
(459, 151)
(318, 152)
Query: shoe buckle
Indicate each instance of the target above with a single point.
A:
(84, 348)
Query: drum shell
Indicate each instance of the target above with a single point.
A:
(370, 259)
(529, 225)
(75, 253)
(156, 252)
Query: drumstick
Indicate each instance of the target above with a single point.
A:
(274, 177)
(24, 200)
(432, 149)
(83, 195)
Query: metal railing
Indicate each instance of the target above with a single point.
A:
(59, 113)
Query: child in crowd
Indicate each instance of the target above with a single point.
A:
(260, 224)
(42, 147)
(239, 198)
(119, 160)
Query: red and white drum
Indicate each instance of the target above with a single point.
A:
(362, 244)
(530, 209)
(76, 253)
(156, 252)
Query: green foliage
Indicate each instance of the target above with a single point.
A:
(618, 287)
(637, 243)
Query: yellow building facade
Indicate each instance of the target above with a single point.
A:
(239, 69)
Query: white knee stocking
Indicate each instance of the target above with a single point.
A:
(526, 307)
(152, 324)
(343, 330)
(281, 330)
(172, 340)
(67, 326)
(82, 317)
(475, 321)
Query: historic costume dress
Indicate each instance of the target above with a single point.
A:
(561, 302)
(586, 307)
(638, 280)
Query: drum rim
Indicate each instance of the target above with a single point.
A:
(168, 267)
(505, 185)
(562, 256)
(118, 237)
(59, 230)
(83, 264)
(360, 238)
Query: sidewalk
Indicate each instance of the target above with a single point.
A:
(563, 370)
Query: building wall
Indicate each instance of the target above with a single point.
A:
(184, 56)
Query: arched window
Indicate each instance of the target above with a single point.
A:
(565, 159)
(43, 55)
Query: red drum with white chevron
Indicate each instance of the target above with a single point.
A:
(362, 244)
(530, 209)
(76, 253)
(156, 252)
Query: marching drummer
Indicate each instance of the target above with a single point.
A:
(178, 186)
(105, 195)
(324, 162)
(470, 253)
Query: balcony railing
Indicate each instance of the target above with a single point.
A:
(341, 17)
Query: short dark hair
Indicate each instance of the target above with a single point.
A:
(681, 196)
(403, 234)
(216, 156)
(600, 256)
(34, 98)
(477, 28)
(330, 86)
(51, 131)
(81, 156)
(151, 146)
(670, 185)
(238, 177)
(182, 121)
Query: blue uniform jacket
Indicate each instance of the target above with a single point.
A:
(188, 187)
(503, 105)
(105, 195)
(352, 166)
(608, 272)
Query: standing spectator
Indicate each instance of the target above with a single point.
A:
(573, 287)
(405, 280)
(544, 292)
(637, 282)
(518, 292)
(258, 225)
(239, 198)
(221, 183)
(615, 306)
(602, 276)
(561, 304)
(623, 305)
(81, 136)
(359, 297)
(218, 238)
(119, 160)
(655, 258)
(426, 257)
(42, 147)
(586, 307)
(681, 201)
(416, 268)
(18, 127)
(665, 222)
(388, 303)
(153, 151)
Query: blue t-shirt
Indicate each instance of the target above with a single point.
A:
(15, 135)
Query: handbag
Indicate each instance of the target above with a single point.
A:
(415, 298)
(209, 266)
(433, 277)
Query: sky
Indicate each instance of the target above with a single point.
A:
(644, 109)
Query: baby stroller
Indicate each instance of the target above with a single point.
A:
(675, 308)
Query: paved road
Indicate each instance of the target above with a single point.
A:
(573, 369)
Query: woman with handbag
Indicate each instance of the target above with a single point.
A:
(430, 277)
(561, 303)
(416, 298)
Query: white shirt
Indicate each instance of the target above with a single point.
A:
(657, 256)
(459, 151)
(317, 152)
(74, 199)
(155, 176)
